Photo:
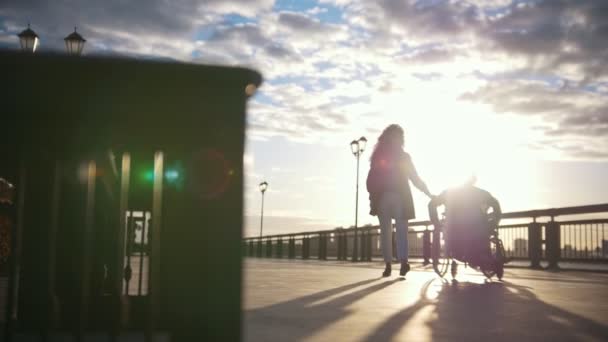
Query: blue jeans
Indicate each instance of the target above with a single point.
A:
(391, 207)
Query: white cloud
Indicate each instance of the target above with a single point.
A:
(316, 10)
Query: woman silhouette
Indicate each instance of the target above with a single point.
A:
(390, 195)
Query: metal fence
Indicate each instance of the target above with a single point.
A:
(536, 237)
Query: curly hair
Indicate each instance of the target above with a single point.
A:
(386, 139)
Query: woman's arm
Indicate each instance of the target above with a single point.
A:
(496, 211)
(413, 176)
(433, 205)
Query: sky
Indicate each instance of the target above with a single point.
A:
(513, 91)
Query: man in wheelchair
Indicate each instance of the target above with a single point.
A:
(468, 226)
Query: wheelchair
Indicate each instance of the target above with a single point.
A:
(443, 258)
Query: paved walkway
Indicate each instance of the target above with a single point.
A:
(331, 301)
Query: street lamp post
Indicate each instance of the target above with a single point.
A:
(357, 147)
(74, 43)
(28, 40)
(263, 187)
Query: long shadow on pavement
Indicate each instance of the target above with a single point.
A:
(305, 309)
(492, 311)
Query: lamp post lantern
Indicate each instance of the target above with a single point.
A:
(357, 147)
(28, 40)
(74, 43)
(263, 187)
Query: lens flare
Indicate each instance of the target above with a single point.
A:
(171, 175)
(209, 173)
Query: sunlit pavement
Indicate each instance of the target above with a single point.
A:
(341, 301)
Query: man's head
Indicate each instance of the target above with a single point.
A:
(471, 180)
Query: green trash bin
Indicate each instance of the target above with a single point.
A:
(94, 142)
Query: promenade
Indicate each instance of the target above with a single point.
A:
(340, 301)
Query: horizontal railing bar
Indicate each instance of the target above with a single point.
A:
(329, 231)
(590, 221)
(533, 214)
(510, 226)
(553, 212)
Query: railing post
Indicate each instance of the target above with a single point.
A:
(279, 248)
(535, 238)
(251, 248)
(360, 244)
(344, 245)
(362, 255)
(259, 248)
(322, 246)
(426, 246)
(292, 248)
(308, 247)
(370, 244)
(553, 243)
(363, 244)
(339, 247)
(326, 237)
(269, 248)
(340, 242)
(305, 247)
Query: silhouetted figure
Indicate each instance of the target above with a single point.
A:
(468, 228)
(390, 195)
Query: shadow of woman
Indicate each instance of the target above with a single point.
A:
(465, 311)
(309, 314)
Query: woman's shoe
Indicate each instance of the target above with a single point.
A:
(387, 270)
(405, 267)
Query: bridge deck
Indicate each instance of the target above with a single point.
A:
(333, 301)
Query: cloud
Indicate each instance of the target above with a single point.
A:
(301, 22)
(575, 119)
(302, 120)
(155, 27)
(415, 22)
(429, 56)
(521, 97)
(279, 51)
(535, 98)
(542, 60)
(303, 31)
(566, 38)
(555, 35)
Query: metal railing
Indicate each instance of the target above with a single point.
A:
(539, 238)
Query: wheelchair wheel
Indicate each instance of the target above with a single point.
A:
(440, 257)
(498, 257)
